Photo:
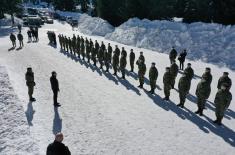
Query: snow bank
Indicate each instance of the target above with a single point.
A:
(14, 130)
(90, 25)
(212, 43)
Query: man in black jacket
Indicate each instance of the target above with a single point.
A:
(181, 59)
(57, 147)
(55, 87)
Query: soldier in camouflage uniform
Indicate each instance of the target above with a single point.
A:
(222, 101)
(224, 79)
(82, 48)
(132, 60)
(102, 46)
(202, 92)
(59, 36)
(124, 52)
(78, 46)
(93, 54)
(153, 75)
(88, 51)
(141, 57)
(74, 42)
(173, 55)
(70, 45)
(67, 44)
(110, 51)
(184, 87)
(174, 72)
(141, 72)
(117, 51)
(123, 63)
(101, 57)
(189, 72)
(115, 62)
(207, 75)
(63, 42)
(106, 60)
(167, 81)
(29, 77)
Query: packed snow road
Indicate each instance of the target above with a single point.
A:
(102, 114)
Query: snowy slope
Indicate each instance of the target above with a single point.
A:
(15, 137)
(101, 114)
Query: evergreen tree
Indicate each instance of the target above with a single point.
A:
(84, 5)
(64, 5)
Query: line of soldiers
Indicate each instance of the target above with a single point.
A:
(19, 37)
(106, 56)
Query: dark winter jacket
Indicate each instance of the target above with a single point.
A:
(173, 54)
(20, 37)
(182, 56)
(29, 77)
(224, 79)
(57, 148)
(54, 84)
(13, 37)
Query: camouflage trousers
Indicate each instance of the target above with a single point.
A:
(167, 89)
(201, 103)
(30, 91)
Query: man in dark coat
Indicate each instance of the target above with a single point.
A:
(167, 81)
(101, 57)
(189, 72)
(93, 54)
(207, 75)
(20, 38)
(153, 75)
(132, 60)
(29, 35)
(181, 59)
(13, 40)
(173, 55)
(123, 63)
(57, 147)
(224, 79)
(174, 72)
(29, 77)
(55, 88)
(184, 86)
(124, 53)
(141, 72)
(110, 52)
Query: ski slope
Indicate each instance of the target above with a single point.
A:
(102, 114)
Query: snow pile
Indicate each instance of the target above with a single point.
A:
(212, 43)
(14, 130)
(7, 21)
(90, 25)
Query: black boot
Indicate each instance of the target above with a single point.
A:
(32, 99)
(166, 98)
(197, 112)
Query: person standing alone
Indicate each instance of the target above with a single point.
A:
(55, 88)
(29, 77)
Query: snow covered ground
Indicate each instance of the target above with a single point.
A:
(101, 114)
(15, 135)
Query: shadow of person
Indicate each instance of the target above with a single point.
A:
(110, 77)
(128, 85)
(57, 122)
(11, 49)
(29, 113)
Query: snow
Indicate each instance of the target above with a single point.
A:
(15, 136)
(90, 25)
(213, 43)
(7, 21)
(102, 114)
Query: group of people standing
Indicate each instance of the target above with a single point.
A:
(84, 48)
(32, 36)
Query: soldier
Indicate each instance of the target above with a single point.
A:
(181, 59)
(88, 51)
(29, 77)
(13, 40)
(93, 55)
(207, 75)
(174, 72)
(55, 88)
(173, 55)
(203, 92)
(110, 51)
(102, 46)
(70, 45)
(123, 63)
(141, 57)
(153, 75)
(115, 63)
(67, 44)
(132, 60)
(62, 42)
(101, 57)
(106, 60)
(74, 41)
(222, 101)
(82, 48)
(29, 33)
(167, 81)
(141, 72)
(117, 51)
(184, 87)
(20, 38)
(189, 71)
(78, 46)
(124, 52)
(57, 147)
(224, 79)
